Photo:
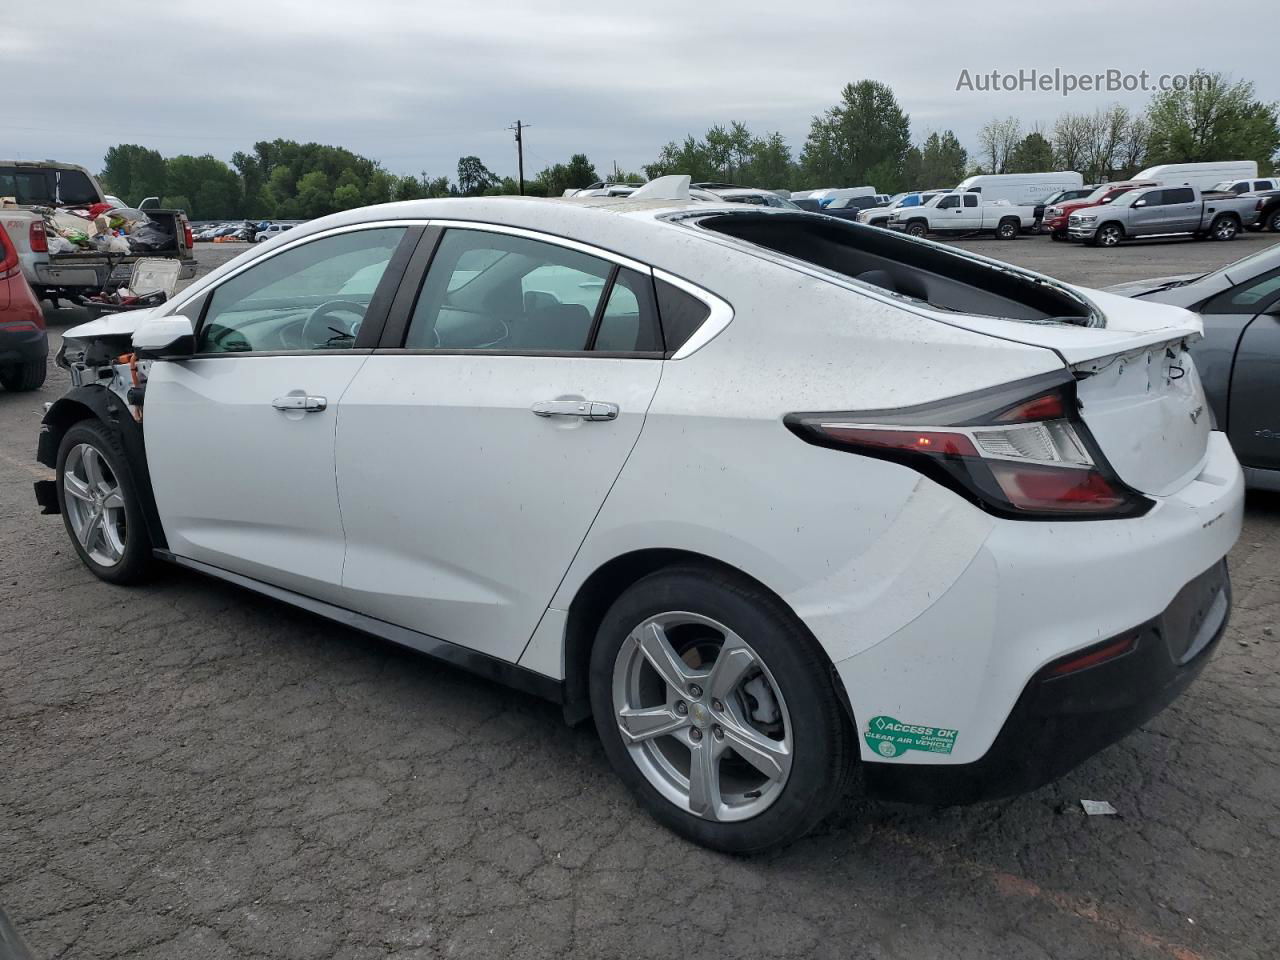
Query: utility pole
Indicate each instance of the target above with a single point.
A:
(518, 127)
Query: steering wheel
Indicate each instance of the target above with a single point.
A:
(322, 328)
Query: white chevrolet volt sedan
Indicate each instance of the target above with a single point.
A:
(768, 495)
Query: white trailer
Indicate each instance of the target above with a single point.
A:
(1018, 188)
(1202, 176)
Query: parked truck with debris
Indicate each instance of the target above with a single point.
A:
(76, 243)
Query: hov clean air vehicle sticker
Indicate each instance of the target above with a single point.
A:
(891, 738)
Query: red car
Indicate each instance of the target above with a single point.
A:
(24, 343)
(1056, 216)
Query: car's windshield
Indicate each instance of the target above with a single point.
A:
(1128, 198)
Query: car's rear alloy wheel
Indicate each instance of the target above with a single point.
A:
(1273, 224)
(1008, 230)
(716, 706)
(99, 506)
(703, 718)
(1225, 228)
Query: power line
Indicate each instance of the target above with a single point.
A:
(519, 128)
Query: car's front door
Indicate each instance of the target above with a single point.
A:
(1148, 214)
(474, 453)
(949, 215)
(240, 436)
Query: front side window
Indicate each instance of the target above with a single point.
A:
(1252, 296)
(311, 297)
(508, 294)
(947, 203)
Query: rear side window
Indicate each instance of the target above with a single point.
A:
(628, 322)
(509, 294)
(1179, 195)
(1248, 298)
(75, 189)
(970, 200)
(681, 314)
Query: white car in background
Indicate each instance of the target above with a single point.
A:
(272, 230)
(767, 495)
(758, 198)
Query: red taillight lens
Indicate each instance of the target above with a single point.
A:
(18, 326)
(1052, 489)
(37, 239)
(1019, 458)
(1048, 407)
(186, 233)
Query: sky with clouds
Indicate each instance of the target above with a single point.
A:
(417, 84)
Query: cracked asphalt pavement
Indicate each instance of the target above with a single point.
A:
(190, 771)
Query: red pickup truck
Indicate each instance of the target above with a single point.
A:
(1056, 216)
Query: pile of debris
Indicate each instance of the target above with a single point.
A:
(103, 228)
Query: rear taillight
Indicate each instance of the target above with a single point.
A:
(19, 326)
(37, 239)
(186, 231)
(1021, 451)
(9, 265)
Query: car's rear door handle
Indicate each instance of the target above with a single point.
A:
(585, 409)
(299, 402)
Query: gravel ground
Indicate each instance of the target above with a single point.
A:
(190, 771)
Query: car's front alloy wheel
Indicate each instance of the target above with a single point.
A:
(95, 505)
(716, 706)
(99, 506)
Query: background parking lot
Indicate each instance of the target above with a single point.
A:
(188, 770)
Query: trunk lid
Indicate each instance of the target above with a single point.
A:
(1140, 394)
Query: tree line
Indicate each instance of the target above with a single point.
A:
(865, 138)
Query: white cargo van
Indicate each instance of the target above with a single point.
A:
(1202, 176)
(1020, 188)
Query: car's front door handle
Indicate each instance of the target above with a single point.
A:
(585, 409)
(300, 402)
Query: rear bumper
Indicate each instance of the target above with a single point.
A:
(1060, 721)
(22, 346)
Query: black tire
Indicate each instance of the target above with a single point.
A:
(825, 743)
(135, 564)
(28, 375)
(1225, 227)
(1273, 220)
(917, 228)
(1059, 235)
(1008, 229)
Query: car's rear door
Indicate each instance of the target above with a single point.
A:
(476, 447)
(240, 437)
(1183, 210)
(1253, 410)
